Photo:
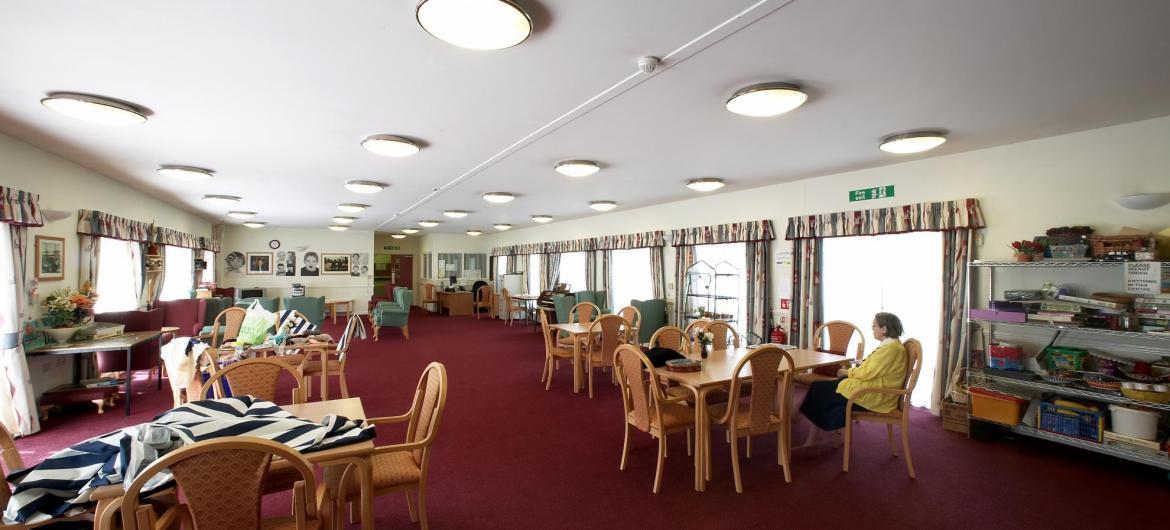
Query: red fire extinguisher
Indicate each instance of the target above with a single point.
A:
(779, 336)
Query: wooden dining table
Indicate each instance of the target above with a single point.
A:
(717, 372)
(359, 454)
(578, 332)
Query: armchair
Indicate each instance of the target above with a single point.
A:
(564, 305)
(313, 307)
(597, 298)
(145, 356)
(187, 315)
(265, 302)
(394, 314)
(653, 317)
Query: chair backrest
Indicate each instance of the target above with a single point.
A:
(255, 377)
(549, 340)
(229, 320)
(765, 362)
(353, 329)
(221, 482)
(913, 367)
(429, 288)
(298, 323)
(693, 330)
(639, 385)
(312, 307)
(430, 399)
(12, 462)
(839, 333)
(483, 295)
(670, 337)
(722, 331)
(632, 314)
(614, 331)
(584, 313)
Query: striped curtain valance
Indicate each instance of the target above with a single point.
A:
(572, 245)
(724, 233)
(20, 207)
(922, 217)
(657, 238)
(95, 223)
(206, 243)
(519, 250)
(174, 238)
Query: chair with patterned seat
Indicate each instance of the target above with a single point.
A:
(724, 334)
(256, 378)
(646, 407)
(226, 326)
(634, 316)
(332, 362)
(605, 335)
(583, 313)
(553, 351)
(671, 337)
(899, 416)
(839, 333)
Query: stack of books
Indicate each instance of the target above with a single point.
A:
(1153, 312)
(1058, 312)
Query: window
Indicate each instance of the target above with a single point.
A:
(474, 266)
(572, 271)
(119, 265)
(208, 273)
(428, 266)
(630, 276)
(534, 273)
(728, 258)
(179, 273)
(501, 265)
(895, 273)
(450, 264)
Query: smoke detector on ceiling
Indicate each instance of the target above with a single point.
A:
(648, 64)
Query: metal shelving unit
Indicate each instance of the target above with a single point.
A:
(1076, 329)
(707, 287)
(993, 381)
(1141, 457)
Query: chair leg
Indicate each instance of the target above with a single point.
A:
(406, 332)
(422, 505)
(890, 432)
(548, 368)
(749, 447)
(848, 440)
(906, 448)
(376, 328)
(661, 456)
(735, 462)
(625, 447)
(688, 442)
(308, 387)
(589, 366)
(410, 507)
(344, 387)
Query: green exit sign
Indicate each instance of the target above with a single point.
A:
(866, 194)
(391, 247)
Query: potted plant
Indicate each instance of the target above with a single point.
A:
(1027, 250)
(66, 310)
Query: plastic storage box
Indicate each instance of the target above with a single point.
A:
(1135, 423)
(996, 406)
(1077, 420)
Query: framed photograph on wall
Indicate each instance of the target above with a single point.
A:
(50, 258)
(259, 263)
(335, 263)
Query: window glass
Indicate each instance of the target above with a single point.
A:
(209, 272)
(534, 273)
(630, 276)
(572, 270)
(179, 273)
(117, 268)
(501, 265)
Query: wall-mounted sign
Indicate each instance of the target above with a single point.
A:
(1143, 277)
(866, 194)
(391, 247)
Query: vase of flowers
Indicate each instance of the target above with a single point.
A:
(705, 339)
(66, 310)
(1027, 250)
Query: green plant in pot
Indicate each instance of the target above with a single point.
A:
(64, 311)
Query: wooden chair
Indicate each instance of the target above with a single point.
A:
(763, 413)
(229, 321)
(671, 337)
(646, 407)
(605, 335)
(583, 313)
(430, 298)
(330, 362)
(722, 331)
(221, 482)
(634, 316)
(403, 467)
(511, 306)
(899, 416)
(485, 300)
(256, 378)
(552, 351)
(839, 333)
(692, 332)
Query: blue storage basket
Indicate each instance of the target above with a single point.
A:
(1070, 421)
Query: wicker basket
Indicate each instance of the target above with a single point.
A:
(1103, 245)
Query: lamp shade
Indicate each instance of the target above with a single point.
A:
(1144, 201)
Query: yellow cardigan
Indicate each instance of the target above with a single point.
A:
(884, 368)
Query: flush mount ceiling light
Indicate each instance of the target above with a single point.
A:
(577, 168)
(241, 214)
(475, 24)
(398, 236)
(390, 145)
(255, 224)
(603, 206)
(473, 232)
(428, 223)
(95, 109)
(498, 197)
(542, 218)
(409, 230)
(455, 214)
(364, 186)
(766, 99)
(502, 226)
(1144, 201)
(352, 207)
(338, 228)
(221, 200)
(344, 220)
(185, 173)
(705, 184)
(912, 142)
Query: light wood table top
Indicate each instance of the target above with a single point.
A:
(118, 342)
(572, 328)
(718, 367)
(525, 297)
(170, 329)
(317, 410)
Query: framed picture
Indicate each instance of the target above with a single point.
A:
(50, 258)
(259, 263)
(335, 263)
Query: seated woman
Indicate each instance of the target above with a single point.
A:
(824, 405)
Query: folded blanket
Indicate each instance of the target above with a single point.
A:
(62, 484)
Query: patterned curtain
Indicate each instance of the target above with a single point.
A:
(656, 238)
(207, 243)
(952, 339)
(725, 233)
(138, 255)
(922, 217)
(153, 291)
(90, 247)
(758, 309)
(510, 264)
(96, 223)
(20, 208)
(18, 410)
(658, 272)
(175, 238)
(552, 269)
(806, 291)
(684, 257)
(542, 274)
(591, 270)
(607, 275)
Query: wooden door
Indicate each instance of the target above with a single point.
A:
(402, 268)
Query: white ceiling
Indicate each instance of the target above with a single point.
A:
(276, 96)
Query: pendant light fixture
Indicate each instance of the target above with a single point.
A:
(474, 232)
(364, 186)
(428, 223)
(409, 230)
(542, 218)
(766, 99)
(475, 24)
(912, 142)
(241, 214)
(185, 173)
(456, 214)
(498, 197)
(390, 145)
(577, 168)
(603, 206)
(221, 200)
(705, 184)
(352, 207)
(502, 226)
(95, 109)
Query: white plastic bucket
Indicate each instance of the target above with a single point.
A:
(1140, 424)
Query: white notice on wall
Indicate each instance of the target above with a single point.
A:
(1143, 277)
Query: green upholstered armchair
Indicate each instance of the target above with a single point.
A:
(597, 298)
(313, 307)
(653, 317)
(563, 303)
(394, 314)
(265, 302)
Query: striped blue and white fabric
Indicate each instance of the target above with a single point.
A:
(63, 483)
(299, 325)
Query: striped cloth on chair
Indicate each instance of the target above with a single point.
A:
(299, 324)
(63, 482)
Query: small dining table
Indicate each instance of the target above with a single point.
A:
(717, 371)
(360, 454)
(578, 332)
(529, 304)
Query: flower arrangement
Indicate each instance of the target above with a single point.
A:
(705, 339)
(66, 308)
(1027, 250)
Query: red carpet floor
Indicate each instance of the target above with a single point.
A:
(511, 455)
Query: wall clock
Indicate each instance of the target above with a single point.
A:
(274, 244)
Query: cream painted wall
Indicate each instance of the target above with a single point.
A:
(319, 240)
(1024, 189)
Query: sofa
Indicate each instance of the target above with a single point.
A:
(313, 307)
(188, 315)
(394, 314)
(145, 356)
(653, 317)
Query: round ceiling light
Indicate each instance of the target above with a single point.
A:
(241, 214)
(338, 228)
(94, 109)
(352, 207)
(398, 236)
(221, 200)
(766, 99)
(255, 224)
(428, 223)
(474, 232)
(344, 220)
(185, 173)
(455, 214)
(577, 168)
(912, 142)
(498, 197)
(390, 145)
(409, 230)
(475, 24)
(705, 184)
(603, 206)
(364, 186)
(542, 218)
(502, 226)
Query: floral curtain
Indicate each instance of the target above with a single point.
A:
(94, 223)
(551, 263)
(575, 245)
(942, 216)
(607, 275)
(207, 243)
(18, 210)
(658, 272)
(806, 291)
(684, 257)
(90, 253)
(138, 255)
(725, 233)
(656, 238)
(151, 291)
(175, 238)
(758, 307)
(590, 270)
(952, 336)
